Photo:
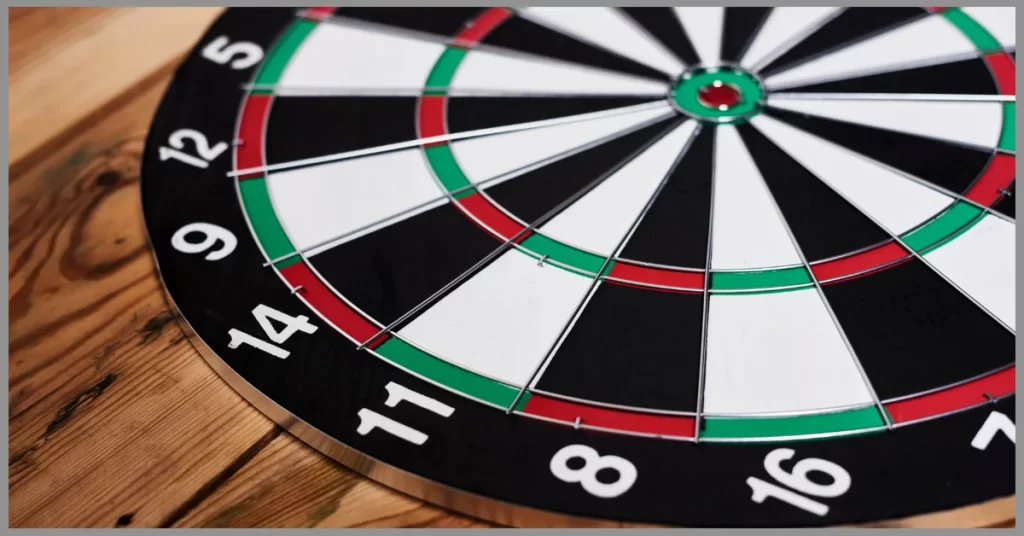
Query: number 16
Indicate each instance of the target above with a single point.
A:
(798, 480)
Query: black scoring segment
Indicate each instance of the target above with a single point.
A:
(664, 25)
(474, 113)
(823, 223)
(852, 25)
(444, 22)
(674, 231)
(965, 77)
(310, 127)
(650, 360)
(945, 164)
(914, 332)
(1007, 204)
(389, 272)
(532, 194)
(740, 27)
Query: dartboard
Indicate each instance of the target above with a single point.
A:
(693, 266)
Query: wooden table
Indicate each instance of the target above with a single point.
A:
(115, 420)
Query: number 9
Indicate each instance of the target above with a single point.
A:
(211, 233)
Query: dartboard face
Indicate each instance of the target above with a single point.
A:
(686, 266)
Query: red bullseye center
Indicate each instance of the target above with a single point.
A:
(719, 95)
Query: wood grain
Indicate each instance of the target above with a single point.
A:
(112, 413)
(115, 420)
(289, 485)
(101, 52)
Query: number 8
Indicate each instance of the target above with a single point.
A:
(587, 475)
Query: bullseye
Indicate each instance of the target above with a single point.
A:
(725, 94)
(720, 95)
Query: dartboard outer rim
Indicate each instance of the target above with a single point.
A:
(988, 513)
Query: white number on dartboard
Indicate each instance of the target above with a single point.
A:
(211, 235)
(202, 146)
(244, 53)
(593, 462)
(263, 314)
(370, 420)
(996, 422)
(797, 480)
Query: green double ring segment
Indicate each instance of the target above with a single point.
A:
(812, 426)
(685, 94)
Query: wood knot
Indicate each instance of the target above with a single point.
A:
(108, 178)
(125, 520)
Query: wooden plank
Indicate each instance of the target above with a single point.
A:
(77, 251)
(93, 61)
(114, 419)
(290, 485)
(32, 30)
(113, 415)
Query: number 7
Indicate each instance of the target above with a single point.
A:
(996, 422)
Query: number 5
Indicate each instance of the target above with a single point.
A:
(219, 51)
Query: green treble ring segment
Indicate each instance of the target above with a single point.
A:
(687, 94)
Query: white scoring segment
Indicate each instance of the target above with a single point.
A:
(599, 220)
(930, 40)
(972, 123)
(777, 352)
(1001, 22)
(704, 27)
(326, 203)
(892, 199)
(488, 157)
(746, 230)
(341, 57)
(513, 73)
(501, 321)
(982, 263)
(607, 28)
(781, 31)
